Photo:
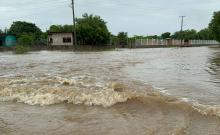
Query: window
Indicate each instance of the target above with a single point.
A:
(51, 40)
(67, 40)
(1, 42)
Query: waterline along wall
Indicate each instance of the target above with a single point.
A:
(168, 42)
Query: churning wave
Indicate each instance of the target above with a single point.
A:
(46, 95)
(105, 95)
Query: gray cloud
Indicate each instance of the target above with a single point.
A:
(139, 17)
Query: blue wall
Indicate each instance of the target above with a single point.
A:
(10, 40)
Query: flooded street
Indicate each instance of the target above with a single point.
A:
(169, 91)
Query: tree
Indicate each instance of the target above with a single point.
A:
(20, 28)
(55, 28)
(1, 31)
(205, 34)
(139, 37)
(61, 28)
(187, 35)
(153, 37)
(67, 28)
(23, 44)
(214, 26)
(122, 38)
(166, 35)
(25, 40)
(92, 30)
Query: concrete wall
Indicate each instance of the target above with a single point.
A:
(7, 40)
(57, 39)
(10, 41)
(154, 42)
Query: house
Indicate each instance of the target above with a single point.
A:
(7, 40)
(60, 39)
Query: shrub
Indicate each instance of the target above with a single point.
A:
(21, 49)
(26, 40)
(23, 44)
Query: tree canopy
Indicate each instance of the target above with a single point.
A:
(92, 30)
(122, 38)
(214, 26)
(61, 28)
(25, 40)
(187, 34)
(205, 34)
(166, 35)
(24, 28)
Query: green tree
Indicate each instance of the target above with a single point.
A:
(122, 38)
(187, 35)
(205, 34)
(23, 44)
(20, 28)
(139, 37)
(1, 31)
(92, 30)
(25, 40)
(153, 37)
(55, 28)
(166, 35)
(67, 28)
(61, 28)
(214, 26)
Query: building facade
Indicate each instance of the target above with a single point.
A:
(60, 39)
(7, 40)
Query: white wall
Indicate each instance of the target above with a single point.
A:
(58, 39)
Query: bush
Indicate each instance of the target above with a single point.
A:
(21, 49)
(26, 40)
(23, 44)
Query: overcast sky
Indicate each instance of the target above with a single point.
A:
(140, 17)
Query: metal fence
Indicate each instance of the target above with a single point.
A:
(149, 42)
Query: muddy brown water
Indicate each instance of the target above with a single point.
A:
(172, 91)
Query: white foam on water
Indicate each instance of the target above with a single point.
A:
(69, 90)
(66, 81)
(207, 109)
(185, 99)
(78, 91)
(161, 90)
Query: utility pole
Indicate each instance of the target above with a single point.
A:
(74, 23)
(181, 31)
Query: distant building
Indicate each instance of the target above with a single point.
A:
(7, 40)
(60, 39)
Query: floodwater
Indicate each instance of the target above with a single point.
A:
(169, 91)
